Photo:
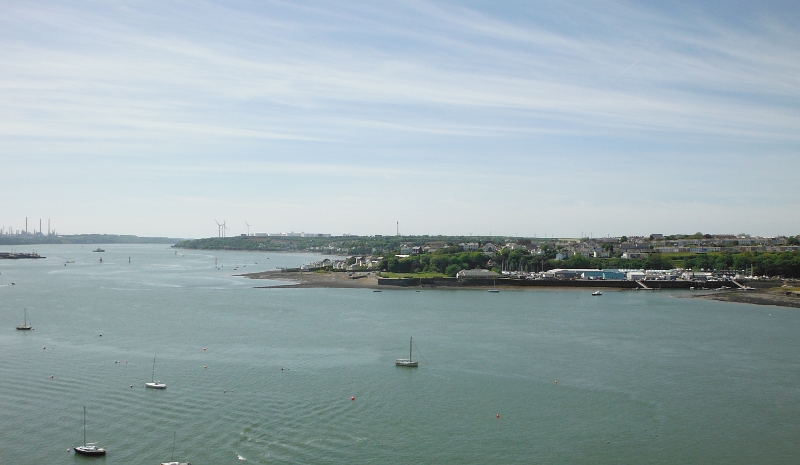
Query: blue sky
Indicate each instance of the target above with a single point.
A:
(515, 118)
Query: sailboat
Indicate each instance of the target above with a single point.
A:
(25, 326)
(173, 454)
(407, 362)
(153, 384)
(88, 448)
(494, 289)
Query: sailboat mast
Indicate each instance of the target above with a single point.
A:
(409, 348)
(153, 376)
(84, 425)
(174, 435)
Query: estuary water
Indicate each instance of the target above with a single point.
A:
(266, 376)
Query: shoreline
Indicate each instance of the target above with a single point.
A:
(369, 280)
(774, 296)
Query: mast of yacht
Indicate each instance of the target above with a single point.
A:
(153, 376)
(84, 426)
(409, 348)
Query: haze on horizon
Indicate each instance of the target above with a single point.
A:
(519, 118)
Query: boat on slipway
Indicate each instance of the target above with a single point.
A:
(407, 362)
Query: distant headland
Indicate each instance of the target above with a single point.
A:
(37, 238)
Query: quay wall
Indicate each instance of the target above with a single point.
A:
(576, 283)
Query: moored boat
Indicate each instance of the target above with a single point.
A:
(88, 448)
(153, 384)
(171, 462)
(25, 326)
(407, 362)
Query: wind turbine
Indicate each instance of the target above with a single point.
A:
(223, 228)
(248, 227)
(219, 228)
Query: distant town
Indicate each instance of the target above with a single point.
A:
(657, 256)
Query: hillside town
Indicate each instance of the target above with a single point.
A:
(654, 257)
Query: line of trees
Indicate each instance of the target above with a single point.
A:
(437, 262)
(786, 264)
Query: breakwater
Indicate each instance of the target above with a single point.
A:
(17, 256)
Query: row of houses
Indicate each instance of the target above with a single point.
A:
(359, 263)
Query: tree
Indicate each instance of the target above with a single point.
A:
(657, 261)
(452, 270)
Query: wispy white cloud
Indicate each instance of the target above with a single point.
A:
(347, 89)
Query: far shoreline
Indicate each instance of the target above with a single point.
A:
(369, 280)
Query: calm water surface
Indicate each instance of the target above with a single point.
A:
(643, 377)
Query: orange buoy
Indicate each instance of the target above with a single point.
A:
(498, 415)
(352, 397)
(204, 349)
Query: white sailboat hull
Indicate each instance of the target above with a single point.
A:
(90, 449)
(404, 362)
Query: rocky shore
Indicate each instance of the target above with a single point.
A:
(780, 296)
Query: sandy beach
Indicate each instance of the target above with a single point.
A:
(297, 279)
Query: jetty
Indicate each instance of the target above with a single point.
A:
(17, 256)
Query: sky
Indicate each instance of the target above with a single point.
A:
(537, 119)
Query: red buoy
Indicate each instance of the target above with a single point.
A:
(352, 397)
(498, 415)
(204, 348)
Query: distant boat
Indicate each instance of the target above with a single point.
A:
(153, 384)
(597, 293)
(407, 362)
(88, 448)
(98, 250)
(494, 288)
(25, 326)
